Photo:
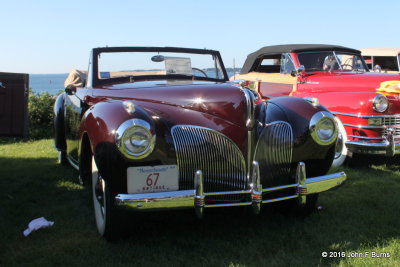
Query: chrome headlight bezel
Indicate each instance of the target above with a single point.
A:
(318, 122)
(124, 134)
(380, 103)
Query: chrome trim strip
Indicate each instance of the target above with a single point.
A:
(365, 127)
(250, 108)
(366, 138)
(279, 199)
(277, 188)
(365, 144)
(366, 116)
(228, 205)
(228, 193)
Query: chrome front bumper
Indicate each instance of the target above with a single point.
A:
(387, 147)
(196, 198)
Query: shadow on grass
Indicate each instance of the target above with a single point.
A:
(362, 213)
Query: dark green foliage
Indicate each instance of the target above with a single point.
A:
(40, 108)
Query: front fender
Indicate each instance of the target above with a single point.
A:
(102, 120)
(99, 124)
(298, 113)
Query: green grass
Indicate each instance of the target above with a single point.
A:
(361, 216)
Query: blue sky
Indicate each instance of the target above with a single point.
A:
(55, 36)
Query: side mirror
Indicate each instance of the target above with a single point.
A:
(299, 71)
(70, 90)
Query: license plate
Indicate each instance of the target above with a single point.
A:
(149, 179)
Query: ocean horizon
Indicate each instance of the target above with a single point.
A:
(51, 83)
(54, 83)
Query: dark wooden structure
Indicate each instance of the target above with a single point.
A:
(14, 104)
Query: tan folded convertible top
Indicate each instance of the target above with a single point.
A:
(76, 78)
(381, 51)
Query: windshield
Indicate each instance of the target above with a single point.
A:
(331, 61)
(114, 66)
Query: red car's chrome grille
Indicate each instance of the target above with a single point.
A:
(393, 122)
(218, 157)
(274, 153)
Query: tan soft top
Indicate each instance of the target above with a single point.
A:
(76, 78)
(381, 51)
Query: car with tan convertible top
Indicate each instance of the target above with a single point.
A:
(366, 105)
(382, 59)
(158, 128)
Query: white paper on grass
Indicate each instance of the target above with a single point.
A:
(37, 224)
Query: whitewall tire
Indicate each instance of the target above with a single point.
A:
(103, 207)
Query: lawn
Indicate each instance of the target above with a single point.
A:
(362, 219)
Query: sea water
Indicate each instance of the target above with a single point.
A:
(54, 83)
(51, 83)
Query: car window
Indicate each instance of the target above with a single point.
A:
(331, 61)
(136, 64)
(386, 63)
(287, 65)
(270, 64)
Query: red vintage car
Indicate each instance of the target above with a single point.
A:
(366, 104)
(158, 128)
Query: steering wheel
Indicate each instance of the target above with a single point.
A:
(201, 71)
(350, 67)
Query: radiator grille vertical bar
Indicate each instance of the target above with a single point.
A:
(218, 157)
(274, 153)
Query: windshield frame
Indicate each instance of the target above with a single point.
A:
(94, 80)
(334, 53)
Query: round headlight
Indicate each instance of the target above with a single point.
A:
(323, 128)
(380, 103)
(134, 139)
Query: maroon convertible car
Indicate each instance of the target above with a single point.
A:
(162, 128)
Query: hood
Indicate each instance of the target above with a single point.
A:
(222, 100)
(347, 81)
(349, 92)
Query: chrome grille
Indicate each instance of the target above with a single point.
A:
(274, 153)
(393, 122)
(213, 153)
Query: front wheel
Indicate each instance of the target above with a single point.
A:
(104, 209)
(340, 149)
